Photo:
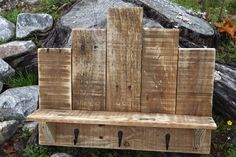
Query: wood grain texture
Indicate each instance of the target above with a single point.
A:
(54, 78)
(88, 69)
(48, 129)
(123, 119)
(195, 81)
(134, 138)
(159, 70)
(124, 45)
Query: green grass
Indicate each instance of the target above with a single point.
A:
(24, 134)
(227, 50)
(52, 7)
(193, 4)
(2, 42)
(22, 79)
(11, 15)
(36, 151)
(215, 8)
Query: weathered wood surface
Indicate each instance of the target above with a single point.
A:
(48, 130)
(134, 138)
(123, 119)
(195, 81)
(124, 46)
(88, 69)
(54, 78)
(159, 70)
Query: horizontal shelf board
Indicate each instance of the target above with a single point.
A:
(123, 119)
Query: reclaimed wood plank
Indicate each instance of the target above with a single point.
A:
(195, 81)
(159, 70)
(48, 129)
(123, 119)
(134, 138)
(124, 45)
(54, 78)
(88, 69)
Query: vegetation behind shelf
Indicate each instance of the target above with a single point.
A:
(21, 79)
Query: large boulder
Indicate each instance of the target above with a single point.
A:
(21, 100)
(28, 62)
(7, 30)
(20, 55)
(86, 14)
(5, 70)
(1, 86)
(10, 114)
(225, 90)
(7, 130)
(194, 31)
(16, 48)
(170, 15)
(28, 23)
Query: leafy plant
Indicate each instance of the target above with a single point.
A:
(22, 79)
(227, 51)
(36, 151)
(11, 15)
(2, 42)
(45, 151)
(231, 152)
(222, 137)
(24, 134)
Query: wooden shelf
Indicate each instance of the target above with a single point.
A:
(123, 119)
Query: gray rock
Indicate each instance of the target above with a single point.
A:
(194, 30)
(27, 61)
(1, 86)
(7, 30)
(90, 13)
(30, 125)
(7, 130)
(32, 1)
(86, 14)
(21, 100)
(9, 114)
(5, 70)
(16, 48)
(148, 23)
(225, 90)
(180, 16)
(61, 155)
(28, 23)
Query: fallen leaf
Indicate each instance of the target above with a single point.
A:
(227, 27)
(9, 148)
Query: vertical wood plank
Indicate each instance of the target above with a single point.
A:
(159, 70)
(195, 81)
(88, 70)
(124, 45)
(54, 78)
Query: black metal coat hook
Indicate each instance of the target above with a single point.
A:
(76, 134)
(120, 136)
(167, 141)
